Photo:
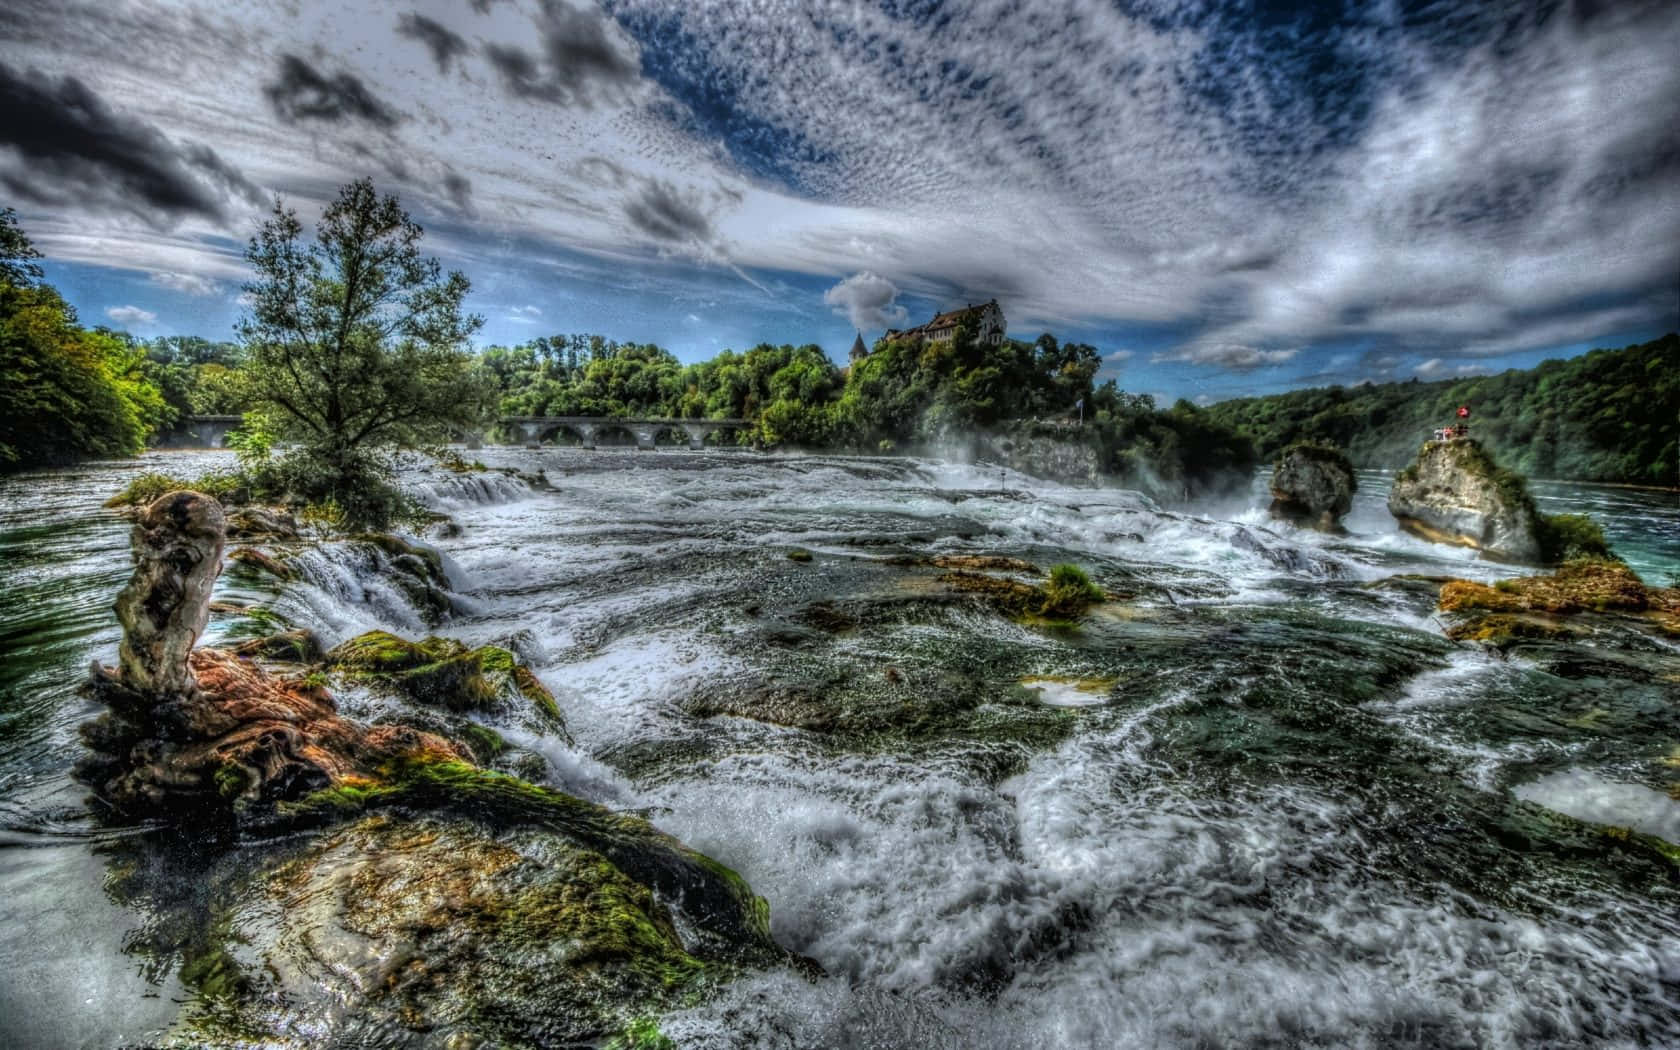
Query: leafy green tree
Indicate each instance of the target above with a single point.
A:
(356, 346)
(66, 393)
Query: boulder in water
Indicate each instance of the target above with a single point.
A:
(1455, 493)
(1313, 485)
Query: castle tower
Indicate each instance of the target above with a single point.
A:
(859, 351)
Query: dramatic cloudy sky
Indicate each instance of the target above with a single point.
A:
(1224, 198)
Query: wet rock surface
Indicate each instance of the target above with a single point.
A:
(1312, 485)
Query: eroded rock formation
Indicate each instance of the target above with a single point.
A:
(1454, 493)
(1312, 485)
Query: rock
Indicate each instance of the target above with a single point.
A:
(262, 562)
(1454, 493)
(1582, 595)
(447, 674)
(292, 647)
(1312, 485)
(256, 522)
(177, 543)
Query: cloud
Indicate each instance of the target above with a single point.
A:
(584, 57)
(130, 315)
(666, 213)
(868, 301)
(527, 313)
(1120, 355)
(459, 189)
(301, 92)
(187, 283)
(61, 145)
(1236, 357)
(445, 44)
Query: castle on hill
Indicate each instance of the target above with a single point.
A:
(985, 321)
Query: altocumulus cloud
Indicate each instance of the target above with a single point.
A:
(867, 300)
(63, 145)
(187, 283)
(584, 58)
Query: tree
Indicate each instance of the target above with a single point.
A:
(356, 345)
(65, 393)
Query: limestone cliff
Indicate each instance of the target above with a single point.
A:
(1455, 493)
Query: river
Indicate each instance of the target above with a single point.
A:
(1258, 803)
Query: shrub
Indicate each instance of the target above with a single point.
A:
(1565, 537)
(1069, 592)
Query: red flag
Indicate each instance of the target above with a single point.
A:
(1464, 411)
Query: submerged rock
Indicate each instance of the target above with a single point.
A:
(1313, 485)
(256, 522)
(445, 673)
(1455, 493)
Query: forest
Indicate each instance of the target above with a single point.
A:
(1608, 415)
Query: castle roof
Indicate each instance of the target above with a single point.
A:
(858, 349)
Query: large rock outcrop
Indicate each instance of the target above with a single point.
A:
(1313, 485)
(1455, 493)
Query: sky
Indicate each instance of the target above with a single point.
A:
(1224, 198)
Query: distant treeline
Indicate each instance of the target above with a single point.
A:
(1609, 415)
(904, 395)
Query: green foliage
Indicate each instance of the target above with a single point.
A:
(356, 346)
(1566, 537)
(1069, 593)
(1609, 415)
(66, 393)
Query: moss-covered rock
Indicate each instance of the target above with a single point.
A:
(1066, 595)
(445, 673)
(432, 929)
(727, 916)
(1564, 605)
(289, 647)
(258, 561)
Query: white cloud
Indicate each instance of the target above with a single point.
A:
(186, 283)
(1120, 355)
(130, 315)
(868, 301)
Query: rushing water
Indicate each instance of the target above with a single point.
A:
(1257, 803)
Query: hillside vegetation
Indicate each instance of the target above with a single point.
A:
(1609, 415)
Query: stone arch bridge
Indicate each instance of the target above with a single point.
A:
(212, 431)
(534, 429)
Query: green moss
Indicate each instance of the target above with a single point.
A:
(231, 780)
(798, 555)
(641, 1034)
(486, 744)
(715, 898)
